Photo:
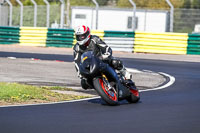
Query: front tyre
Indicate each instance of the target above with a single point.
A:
(109, 96)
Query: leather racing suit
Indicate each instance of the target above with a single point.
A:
(101, 49)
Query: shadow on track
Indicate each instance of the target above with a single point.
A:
(102, 102)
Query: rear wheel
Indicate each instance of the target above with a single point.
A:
(134, 94)
(108, 95)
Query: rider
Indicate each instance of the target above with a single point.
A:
(87, 42)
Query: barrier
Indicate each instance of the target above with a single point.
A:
(41, 36)
(60, 38)
(193, 44)
(163, 43)
(119, 40)
(144, 42)
(33, 36)
(9, 35)
(99, 33)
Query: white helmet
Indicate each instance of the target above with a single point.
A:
(82, 34)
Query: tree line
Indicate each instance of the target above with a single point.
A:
(151, 4)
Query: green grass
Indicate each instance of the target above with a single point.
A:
(57, 88)
(19, 93)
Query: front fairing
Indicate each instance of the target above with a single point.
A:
(90, 65)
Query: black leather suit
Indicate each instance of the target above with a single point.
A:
(99, 47)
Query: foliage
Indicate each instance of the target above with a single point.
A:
(187, 4)
(81, 3)
(87, 2)
(152, 4)
(123, 3)
(196, 4)
(102, 2)
(28, 14)
(27, 2)
(191, 4)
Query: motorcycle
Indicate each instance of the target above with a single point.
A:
(111, 86)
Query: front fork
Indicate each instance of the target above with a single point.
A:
(121, 91)
(109, 87)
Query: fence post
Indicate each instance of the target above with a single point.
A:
(21, 12)
(11, 9)
(48, 12)
(97, 13)
(62, 13)
(134, 12)
(0, 13)
(35, 13)
(68, 6)
(171, 14)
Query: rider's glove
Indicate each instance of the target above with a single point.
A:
(104, 56)
(79, 75)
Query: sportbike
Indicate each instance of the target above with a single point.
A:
(111, 85)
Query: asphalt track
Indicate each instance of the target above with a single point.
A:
(175, 109)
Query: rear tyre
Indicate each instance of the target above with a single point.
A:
(109, 96)
(134, 94)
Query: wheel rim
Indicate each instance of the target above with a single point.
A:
(109, 93)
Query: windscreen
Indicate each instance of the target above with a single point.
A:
(86, 56)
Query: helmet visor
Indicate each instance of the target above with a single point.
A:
(82, 37)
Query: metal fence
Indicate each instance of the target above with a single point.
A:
(186, 19)
(28, 15)
(145, 42)
(183, 20)
(36, 15)
(4, 11)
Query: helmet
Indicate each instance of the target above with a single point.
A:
(82, 34)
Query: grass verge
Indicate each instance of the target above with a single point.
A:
(57, 88)
(15, 93)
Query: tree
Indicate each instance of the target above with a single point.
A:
(177, 3)
(155, 4)
(187, 4)
(102, 2)
(152, 4)
(81, 3)
(196, 4)
(123, 3)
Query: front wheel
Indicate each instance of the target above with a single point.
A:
(134, 94)
(108, 95)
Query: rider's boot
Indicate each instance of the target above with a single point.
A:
(84, 84)
(125, 73)
(128, 77)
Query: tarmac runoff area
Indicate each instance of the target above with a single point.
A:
(54, 73)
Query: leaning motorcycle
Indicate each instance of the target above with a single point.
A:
(111, 86)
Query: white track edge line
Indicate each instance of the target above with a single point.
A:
(133, 70)
(172, 80)
(71, 101)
